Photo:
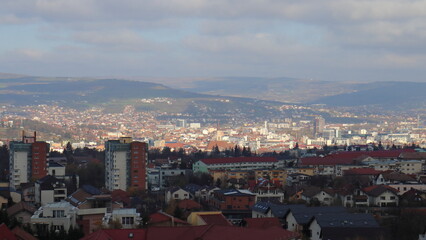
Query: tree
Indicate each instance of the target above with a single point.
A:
(237, 151)
(296, 146)
(218, 182)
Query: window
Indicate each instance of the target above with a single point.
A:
(382, 198)
(58, 213)
(392, 197)
(127, 220)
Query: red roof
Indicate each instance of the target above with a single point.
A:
(6, 234)
(118, 234)
(159, 217)
(362, 171)
(189, 204)
(216, 219)
(21, 234)
(238, 160)
(175, 145)
(262, 223)
(347, 158)
(214, 232)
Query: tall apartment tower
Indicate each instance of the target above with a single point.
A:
(27, 160)
(125, 164)
(319, 124)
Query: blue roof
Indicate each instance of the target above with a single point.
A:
(91, 189)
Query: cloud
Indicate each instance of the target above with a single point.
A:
(330, 39)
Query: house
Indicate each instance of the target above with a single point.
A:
(176, 193)
(413, 197)
(57, 215)
(313, 195)
(267, 192)
(207, 218)
(92, 211)
(400, 181)
(298, 218)
(49, 189)
(234, 203)
(127, 217)
(206, 192)
(381, 195)
(22, 211)
(194, 190)
(334, 226)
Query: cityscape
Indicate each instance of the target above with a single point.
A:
(211, 120)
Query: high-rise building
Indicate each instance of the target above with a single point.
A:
(125, 164)
(319, 124)
(27, 160)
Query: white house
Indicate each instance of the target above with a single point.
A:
(381, 195)
(60, 215)
(176, 193)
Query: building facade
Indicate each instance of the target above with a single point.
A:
(27, 160)
(125, 164)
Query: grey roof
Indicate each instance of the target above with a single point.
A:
(304, 215)
(346, 220)
(278, 210)
(55, 164)
(192, 188)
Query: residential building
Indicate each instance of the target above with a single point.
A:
(48, 190)
(235, 163)
(58, 215)
(344, 225)
(381, 196)
(125, 164)
(127, 217)
(176, 193)
(27, 160)
(298, 218)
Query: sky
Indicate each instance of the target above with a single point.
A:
(334, 40)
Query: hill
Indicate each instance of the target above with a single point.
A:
(381, 95)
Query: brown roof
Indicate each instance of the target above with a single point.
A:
(396, 176)
(188, 204)
(222, 145)
(21, 206)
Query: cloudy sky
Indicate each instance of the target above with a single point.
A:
(341, 40)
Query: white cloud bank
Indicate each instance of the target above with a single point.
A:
(330, 40)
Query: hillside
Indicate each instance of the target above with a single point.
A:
(382, 95)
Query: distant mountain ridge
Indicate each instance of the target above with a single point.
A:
(335, 94)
